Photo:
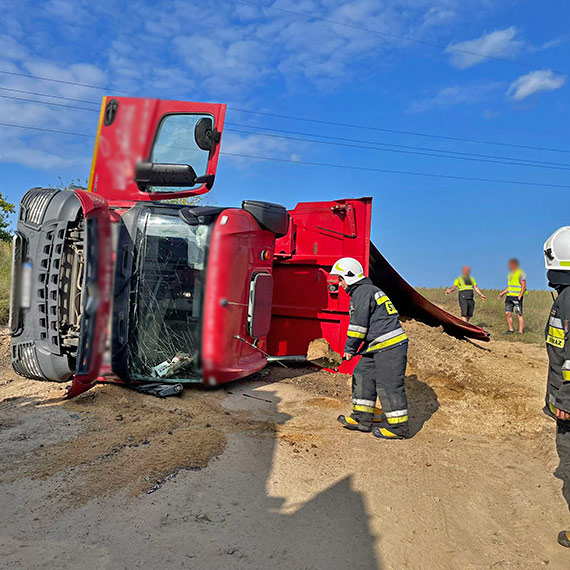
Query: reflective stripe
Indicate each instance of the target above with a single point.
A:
(464, 286)
(355, 334)
(357, 328)
(514, 285)
(397, 414)
(387, 433)
(391, 334)
(359, 408)
(350, 420)
(566, 370)
(558, 333)
(362, 402)
(401, 420)
(387, 343)
(388, 339)
(378, 415)
(551, 400)
(556, 322)
(381, 300)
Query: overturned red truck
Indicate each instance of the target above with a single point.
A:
(117, 283)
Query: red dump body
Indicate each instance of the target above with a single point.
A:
(308, 302)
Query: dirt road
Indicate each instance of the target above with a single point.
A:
(259, 474)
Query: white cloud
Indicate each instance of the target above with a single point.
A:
(535, 82)
(457, 95)
(499, 43)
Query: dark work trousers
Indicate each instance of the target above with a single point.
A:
(381, 374)
(563, 448)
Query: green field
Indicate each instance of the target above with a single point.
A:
(491, 314)
(5, 269)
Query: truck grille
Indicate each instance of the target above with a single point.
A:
(25, 361)
(34, 205)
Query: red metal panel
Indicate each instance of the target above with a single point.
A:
(236, 253)
(307, 303)
(128, 139)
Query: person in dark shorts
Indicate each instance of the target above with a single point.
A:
(467, 286)
(514, 291)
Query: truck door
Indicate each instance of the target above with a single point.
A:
(150, 149)
(307, 301)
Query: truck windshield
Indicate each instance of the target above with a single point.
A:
(166, 297)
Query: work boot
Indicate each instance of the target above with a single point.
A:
(389, 433)
(564, 538)
(350, 423)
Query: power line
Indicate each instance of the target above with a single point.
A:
(47, 95)
(332, 165)
(396, 131)
(62, 81)
(388, 171)
(365, 147)
(331, 123)
(361, 143)
(389, 34)
(419, 152)
(55, 131)
(48, 103)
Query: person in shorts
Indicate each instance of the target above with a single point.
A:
(467, 286)
(514, 292)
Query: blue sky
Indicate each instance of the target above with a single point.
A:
(274, 61)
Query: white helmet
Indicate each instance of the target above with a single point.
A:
(349, 269)
(557, 250)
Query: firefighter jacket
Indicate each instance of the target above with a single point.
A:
(374, 321)
(558, 349)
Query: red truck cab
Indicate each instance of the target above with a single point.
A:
(174, 293)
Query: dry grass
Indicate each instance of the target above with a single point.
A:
(5, 270)
(491, 314)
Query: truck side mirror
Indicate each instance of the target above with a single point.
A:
(173, 175)
(205, 135)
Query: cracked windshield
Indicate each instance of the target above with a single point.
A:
(167, 297)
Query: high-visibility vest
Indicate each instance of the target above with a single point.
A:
(514, 286)
(462, 285)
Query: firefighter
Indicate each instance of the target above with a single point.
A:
(466, 284)
(514, 291)
(557, 261)
(376, 333)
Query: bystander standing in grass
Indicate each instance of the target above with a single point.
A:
(514, 291)
(467, 286)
